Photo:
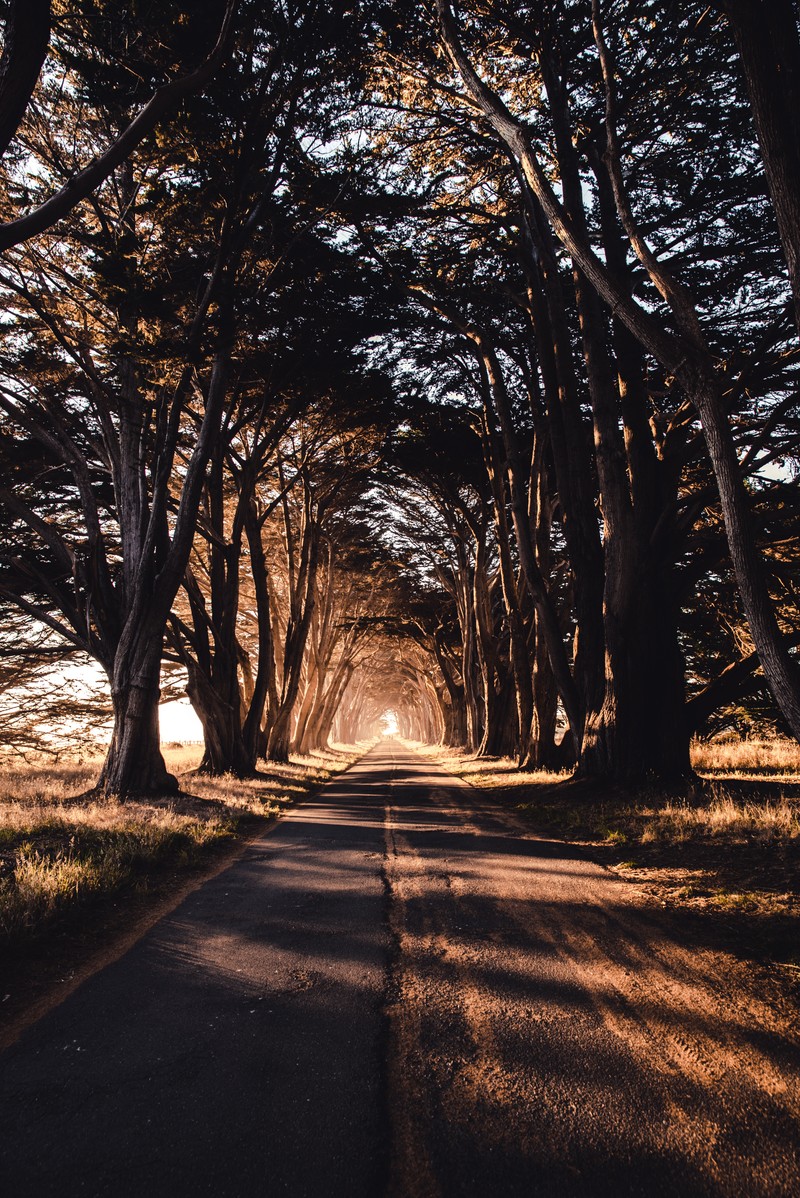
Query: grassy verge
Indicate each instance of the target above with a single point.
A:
(730, 853)
(61, 857)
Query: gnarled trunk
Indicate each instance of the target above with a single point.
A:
(225, 751)
(543, 752)
(640, 730)
(134, 764)
(454, 713)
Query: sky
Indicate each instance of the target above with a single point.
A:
(179, 722)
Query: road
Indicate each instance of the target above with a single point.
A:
(400, 991)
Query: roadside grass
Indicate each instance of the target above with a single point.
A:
(759, 758)
(766, 821)
(59, 853)
(729, 848)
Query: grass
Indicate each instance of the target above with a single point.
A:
(747, 758)
(58, 853)
(730, 849)
(767, 821)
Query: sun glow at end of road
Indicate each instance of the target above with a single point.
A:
(389, 725)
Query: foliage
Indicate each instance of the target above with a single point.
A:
(445, 365)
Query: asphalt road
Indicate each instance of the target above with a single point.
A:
(400, 991)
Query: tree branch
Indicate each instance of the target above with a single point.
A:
(27, 35)
(79, 186)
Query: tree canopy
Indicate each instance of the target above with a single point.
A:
(440, 370)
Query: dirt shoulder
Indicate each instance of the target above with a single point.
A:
(724, 861)
(554, 1030)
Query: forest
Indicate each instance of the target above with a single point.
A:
(433, 362)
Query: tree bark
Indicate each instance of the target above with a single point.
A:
(467, 622)
(570, 441)
(781, 670)
(322, 725)
(264, 688)
(518, 647)
(224, 747)
(302, 605)
(134, 764)
(454, 714)
(27, 34)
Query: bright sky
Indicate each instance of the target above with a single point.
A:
(179, 722)
(177, 718)
(389, 722)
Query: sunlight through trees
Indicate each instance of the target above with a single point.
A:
(433, 378)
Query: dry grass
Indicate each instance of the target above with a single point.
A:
(723, 816)
(57, 851)
(66, 858)
(652, 816)
(747, 758)
(486, 772)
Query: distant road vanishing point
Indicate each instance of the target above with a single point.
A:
(400, 990)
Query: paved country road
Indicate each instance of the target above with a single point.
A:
(399, 990)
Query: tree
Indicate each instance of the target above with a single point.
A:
(683, 353)
(768, 42)
(28, 28)
(529, 228)
(130, 399)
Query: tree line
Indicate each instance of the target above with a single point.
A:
(437, 361)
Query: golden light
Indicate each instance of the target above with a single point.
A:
(389, 725)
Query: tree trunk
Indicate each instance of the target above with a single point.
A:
(543, 751)
(322, 725)
(26, 37)
(640, 731)
(225, 751)
(216, 694)
(643, 647)
(769, 48)
(302, 599)
(570, 438)
(280, 732)
(518, 647)
(454, 714)
(279, 740)
(468, 668)
(264, 686)
(134, 764)
(781, 670)
(486, 646)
